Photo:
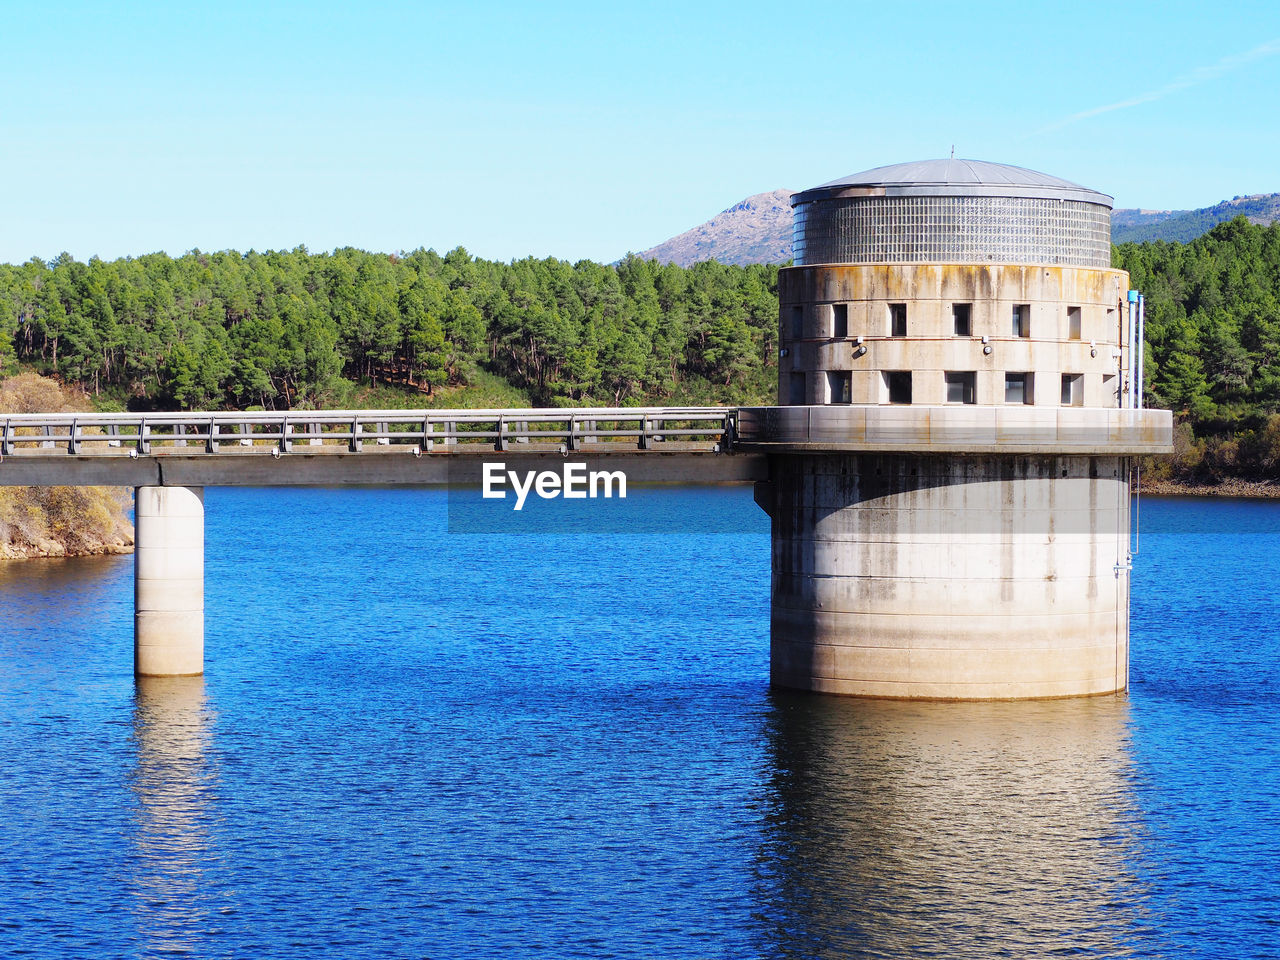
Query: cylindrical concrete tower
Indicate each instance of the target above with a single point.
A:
(950, 472)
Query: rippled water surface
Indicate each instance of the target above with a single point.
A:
(416, 744)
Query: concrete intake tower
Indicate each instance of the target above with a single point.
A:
(959, 408)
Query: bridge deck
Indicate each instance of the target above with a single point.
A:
(651, 444)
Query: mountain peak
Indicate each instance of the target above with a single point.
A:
(754, 230)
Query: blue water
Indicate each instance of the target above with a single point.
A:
(410, 743)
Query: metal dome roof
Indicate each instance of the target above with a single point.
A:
(952, 178)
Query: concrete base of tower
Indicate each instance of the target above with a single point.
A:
(949, 577)
(168, 625)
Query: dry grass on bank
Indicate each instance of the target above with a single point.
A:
(58, 521)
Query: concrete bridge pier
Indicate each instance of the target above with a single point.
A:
(168, 619)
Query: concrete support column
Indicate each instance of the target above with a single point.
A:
(168, 619)
(950, 577)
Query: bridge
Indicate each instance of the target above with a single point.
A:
(324, 447)
(170, 457)
(907, 504)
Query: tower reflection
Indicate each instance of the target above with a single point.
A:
(174, 782)
(956, 830)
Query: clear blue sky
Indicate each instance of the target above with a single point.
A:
(587, 130)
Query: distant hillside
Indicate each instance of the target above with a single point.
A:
(1127, 219)
(1183, 226)
(757, 230)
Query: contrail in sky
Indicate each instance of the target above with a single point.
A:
(1194, 78)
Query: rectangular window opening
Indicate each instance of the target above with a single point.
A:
(962, 317)
(961, 386)
(1073, 323)
(796, 395)
(897, 385)
(839, 386)
(797, 323)
(1018, 388)
(1073, 389)
(1111, 389)
(1022, 320)
(898, 320)
(840, 321)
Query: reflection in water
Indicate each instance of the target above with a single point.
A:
(174, 784)
(34, 597)
(55, 576)
(950, 830)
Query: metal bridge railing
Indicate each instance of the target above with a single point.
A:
(601, 429)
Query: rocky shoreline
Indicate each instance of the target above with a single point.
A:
(48, 548)
(1259, 489)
